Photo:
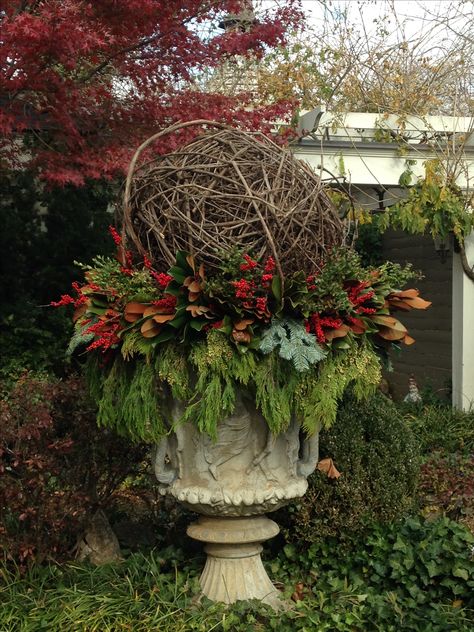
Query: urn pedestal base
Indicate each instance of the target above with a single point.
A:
(234, 569)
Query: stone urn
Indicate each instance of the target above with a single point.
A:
(232, 482)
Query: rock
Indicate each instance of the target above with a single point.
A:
(99, 544)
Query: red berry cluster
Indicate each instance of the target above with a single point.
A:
(166, 305)
(358, 298)
(106, 333)
(317, 324)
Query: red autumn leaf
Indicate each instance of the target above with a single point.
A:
(64, 60)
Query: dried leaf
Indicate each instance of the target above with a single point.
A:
(163, 318)
(150, 329)
(243, 324)
(327, 466)
(340, 332)
(197, 310)
(298, 594)
(134, 311)
(387, 333)
(241, 336)
(79, 311)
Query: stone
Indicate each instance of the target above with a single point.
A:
(232, 481)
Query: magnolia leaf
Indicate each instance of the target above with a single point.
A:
(164, 336)
(98, 299)
(389, 322)
(79, 311)
(197, 324)
(178, 321)
(241, 336)
(185, 261)
(388, 333)
(190, 261)
(242, 324)
(163, 318)
(399, 304)
(411, 293)
(99, 311)
(198, 310)
(358, 326)
(327, 466)
(340, 343)
(150, 329)
(193, 286)
(340, 332)
(178, 274)
(276, 288)
(418, 303)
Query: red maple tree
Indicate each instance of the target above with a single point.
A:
(83, 82)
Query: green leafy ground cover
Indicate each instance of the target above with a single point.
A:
(412, 576)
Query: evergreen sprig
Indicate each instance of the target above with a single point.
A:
(134, 394)
(293, 342)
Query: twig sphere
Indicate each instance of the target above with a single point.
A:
(229, 188)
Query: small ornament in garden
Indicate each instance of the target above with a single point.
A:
(227, 329)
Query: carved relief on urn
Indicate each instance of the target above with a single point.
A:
(245, 471)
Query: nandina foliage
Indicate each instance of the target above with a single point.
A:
(84, 82)
(56, 467)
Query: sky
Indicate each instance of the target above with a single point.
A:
(414, 16)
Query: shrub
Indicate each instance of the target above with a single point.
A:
(441, 428)
(56, 467)
(415, 575)
(447, 485)
(43, 231)
(375, 450)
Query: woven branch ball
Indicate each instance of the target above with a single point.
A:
(225, 189)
